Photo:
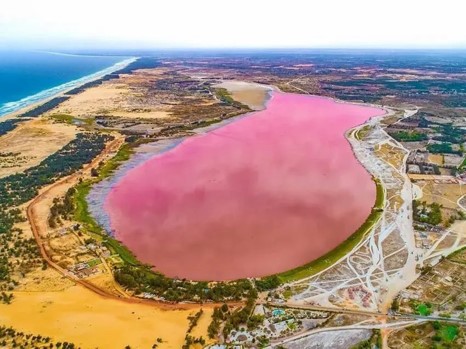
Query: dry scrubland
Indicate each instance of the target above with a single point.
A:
(30, 143)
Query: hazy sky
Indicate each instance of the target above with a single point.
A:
(235, 23)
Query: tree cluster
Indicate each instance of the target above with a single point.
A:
(142, 279)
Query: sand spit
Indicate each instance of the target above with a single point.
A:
(252, 94)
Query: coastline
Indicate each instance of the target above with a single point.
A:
(13, 109)
(153, 149)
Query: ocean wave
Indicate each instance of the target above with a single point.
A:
(11, 107)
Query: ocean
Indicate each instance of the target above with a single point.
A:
(28, 77)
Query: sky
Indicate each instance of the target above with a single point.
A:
(51, 24)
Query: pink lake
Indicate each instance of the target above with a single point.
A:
(266, 193)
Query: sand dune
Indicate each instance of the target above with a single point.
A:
(90, 321)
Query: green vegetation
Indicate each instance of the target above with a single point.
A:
(45, 107)
(116, 247)
(142, 279)
(20, 188)
(225, 97)
(6, 298)
(448, 333)
(267, 283)
(190, 340)
(409, 136)
(65, 118)
(70, 119)
(450, 134)
(341, 250)
(362, 132)
(374, 342)
(380, 195)
(10, 338)
(430, 214)
(94, 262)
(8, 125)
(193, 320)
(234, 319)
(424, 309)
(463, 164)
(445, 148)
(456, 256)
(81, 211)
(445, 335)
(19, 253)
(395, 305)
(61, 209)
(110, 166)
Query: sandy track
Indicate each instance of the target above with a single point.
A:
(38, 232)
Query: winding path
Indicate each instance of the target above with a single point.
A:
(37, 233)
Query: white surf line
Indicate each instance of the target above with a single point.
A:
(43, 96)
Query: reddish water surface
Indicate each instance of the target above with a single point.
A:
(264, 194)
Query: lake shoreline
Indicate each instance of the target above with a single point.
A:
(162, 149)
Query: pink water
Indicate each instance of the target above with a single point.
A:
(264, 194)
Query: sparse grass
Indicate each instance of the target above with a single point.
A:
(463, 164)
(122, 155)
(362, 132)
(94, 262)
(341, 250)
(70, 119)
(458, 256)
(65, 118)
(125, 254)
(225, 97)
(81, 212)
(380, 197)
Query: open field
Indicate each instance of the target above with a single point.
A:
(446, 194)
